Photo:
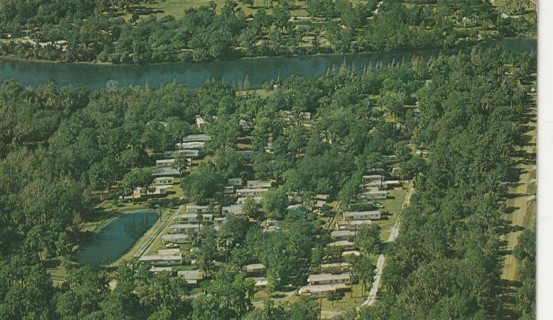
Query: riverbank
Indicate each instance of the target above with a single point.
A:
(257, 71)
(247, 58)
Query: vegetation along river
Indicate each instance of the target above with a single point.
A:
(257, 71)
(116, 238)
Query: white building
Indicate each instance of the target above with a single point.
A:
(165, 163)
(160, 181)
(185, 228)
(175, 238)
(362, 215)
(259, 184)
(329, 278)
(194, 217)
(375, 194)
(251, 192)
(161, 260)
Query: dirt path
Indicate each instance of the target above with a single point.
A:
(373, 293)
(521, 217)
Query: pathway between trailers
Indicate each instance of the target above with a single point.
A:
(373, 293)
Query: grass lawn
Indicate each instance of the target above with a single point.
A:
(393, 206)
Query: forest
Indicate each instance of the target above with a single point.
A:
(60, 146)
(124, 31)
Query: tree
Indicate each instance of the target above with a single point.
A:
(275, 203)
(181, 163)
(368, 239)
(252, 209)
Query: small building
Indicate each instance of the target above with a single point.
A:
(351, 253)
(259, 184)
(335, 267)
(372, 177)
(185, 228)
(235, 209)
(270, 225)
(375, 194)
(165, 172)
(194, 217)
(260, 283)
(190, 145)
(342, 244)
(352, 224)
(188, 153)
(235, 182)
(362, 215)
(161, 260)
(393, 184)
(251, 192)
(196, 138)
(191, 277)
(241, 200)
(329, 278)
(322, 197)
(165, 163)
(256, 268)
(343, 234)
(175, 238)
(194, 208)
(219, 222)
(200, 122)
(156, 270)
(160, 181)
(323, 290)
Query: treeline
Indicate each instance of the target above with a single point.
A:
(95, 31)
(446, 262)
(59, 146)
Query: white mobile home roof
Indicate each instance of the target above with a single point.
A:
(362, 215)
(341, 243)
(329, 277)
(160, 257)
(253, 184)
(196, 138)
(342, 233)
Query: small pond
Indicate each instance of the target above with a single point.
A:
(116, 238)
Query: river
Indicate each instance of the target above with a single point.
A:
(257, 70)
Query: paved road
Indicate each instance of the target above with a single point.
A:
(373, 293)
